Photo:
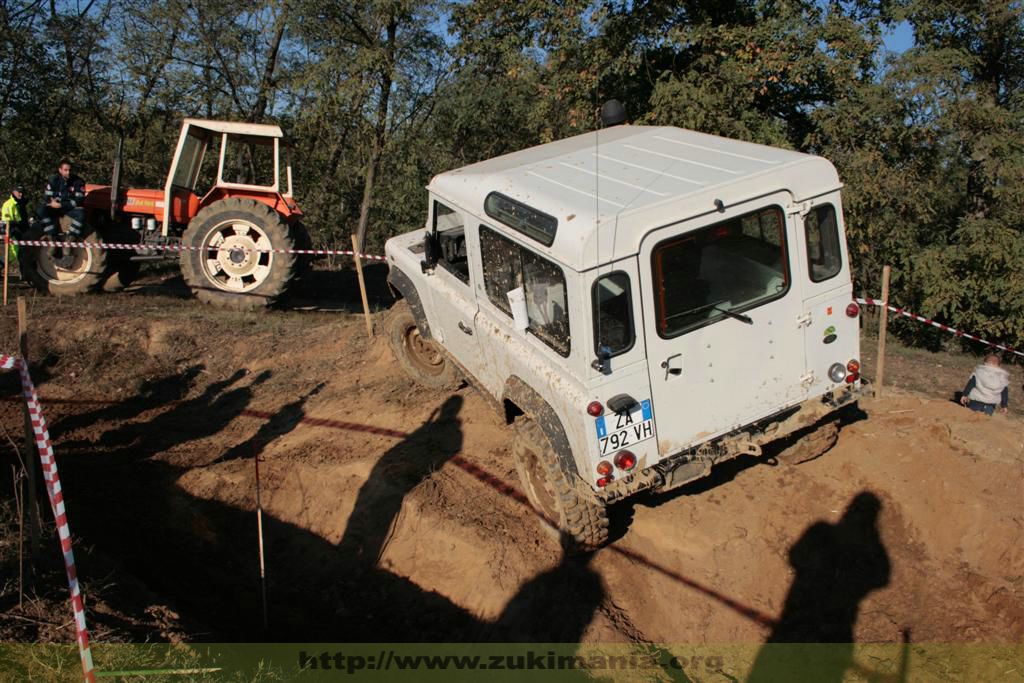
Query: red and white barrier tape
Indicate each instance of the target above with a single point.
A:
(183, 247)
(944, 328)
(56, 496)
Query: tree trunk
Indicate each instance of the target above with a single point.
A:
(380, 133)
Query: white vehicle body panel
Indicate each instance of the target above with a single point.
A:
(616, 195)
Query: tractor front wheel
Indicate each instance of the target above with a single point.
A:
(63, 271)
(236, 255)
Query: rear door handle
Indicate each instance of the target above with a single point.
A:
(465, 328)
(671, 365)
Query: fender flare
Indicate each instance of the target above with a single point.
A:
(402, 284)
(533, 404)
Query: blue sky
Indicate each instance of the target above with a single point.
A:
(899, 39)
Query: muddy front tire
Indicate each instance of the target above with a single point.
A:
(228, 262)
(62, 271)
(568, 504)
(810, 444)
(418, 357)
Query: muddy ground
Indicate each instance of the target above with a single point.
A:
(393, 513)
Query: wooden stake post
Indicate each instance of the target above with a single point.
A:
(883, 326)
(30, 441)
(362, 286)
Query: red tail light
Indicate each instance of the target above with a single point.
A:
(604, 468)
(595, 409)
(604, 481)
(852, 377)
(853, 367)
(853, 310)
(625, 460)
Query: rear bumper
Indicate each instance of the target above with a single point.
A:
(696, 462)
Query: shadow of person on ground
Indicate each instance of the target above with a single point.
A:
(395, 474)
(189, 420)
(286, 419)
(318, 591)
(837, 566)
(154, 393)
(553, 607)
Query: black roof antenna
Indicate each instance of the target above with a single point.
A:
(612, 113)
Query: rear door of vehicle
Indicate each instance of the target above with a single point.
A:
(722, 319)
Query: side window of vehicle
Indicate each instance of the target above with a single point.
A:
(451, 240)
(735, 265)
(507, 266)
(824, 257)
(613, 314)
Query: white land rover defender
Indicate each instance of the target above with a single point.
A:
(641, 303)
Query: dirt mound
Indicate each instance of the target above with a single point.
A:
(392, 513)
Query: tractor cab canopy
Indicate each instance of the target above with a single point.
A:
(249, 158)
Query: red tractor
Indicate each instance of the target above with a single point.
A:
(225, 236)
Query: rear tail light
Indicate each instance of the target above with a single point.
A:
(853, 310)
(595, 409)
(852, 377)
(604, 481)
(625, 460)
(837, 373)
(604, 468)
(853, 367)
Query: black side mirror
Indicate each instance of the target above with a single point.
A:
(430, 252)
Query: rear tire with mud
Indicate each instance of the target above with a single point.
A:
(567, 503)
(227, 265)
(418, 357)
(63, 271)
(810, 445)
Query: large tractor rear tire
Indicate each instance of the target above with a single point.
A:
(63, 271)
(225, 264)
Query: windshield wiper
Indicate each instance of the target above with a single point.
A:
(736, 316)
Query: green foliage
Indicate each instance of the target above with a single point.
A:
(379, 96)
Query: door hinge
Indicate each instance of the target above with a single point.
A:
(808, 379)
(803, 320)
(803, 208)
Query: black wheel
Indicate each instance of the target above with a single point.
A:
(63, 271)
(808, 445)
(568, 504)
(420, 358)
(122, 274)
(227, 263)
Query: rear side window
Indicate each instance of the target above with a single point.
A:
(508, 265)
(734, 265)
(529, 221)
(824, 258)
(613, 315)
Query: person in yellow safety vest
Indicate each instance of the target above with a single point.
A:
(15, 212)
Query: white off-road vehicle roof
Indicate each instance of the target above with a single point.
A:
(609, 188)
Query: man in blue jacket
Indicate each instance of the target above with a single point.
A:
(64, 196)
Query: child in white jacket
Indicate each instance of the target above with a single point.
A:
(988, 386)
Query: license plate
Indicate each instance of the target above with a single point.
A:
(615, 432)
